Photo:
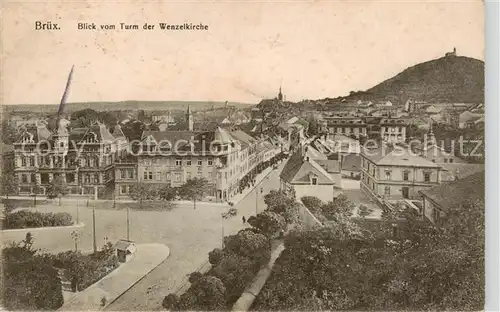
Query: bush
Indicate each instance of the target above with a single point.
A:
(27, 219)
(171, 302)
(30, 281)
(85, 270)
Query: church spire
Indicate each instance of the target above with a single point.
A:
(280, 95)
(189, 119)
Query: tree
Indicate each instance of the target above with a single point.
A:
(9, 133)
(268, 223)
(35, 189)
(247, 243)
(10, 183)
(30, 282)
(339, 207)
(207, 293)
(314, 128)
(143, 191)
(84, 118)
(235, 272)
(215, 256)
(312, 203)
(364, 211)
(167, 193)
(425, 268)
(57, 188)
(280, 203)
(108, 118)
(171, 302)
(194, 189)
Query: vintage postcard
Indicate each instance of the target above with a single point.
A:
(242, 155)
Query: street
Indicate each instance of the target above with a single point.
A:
(189, 241)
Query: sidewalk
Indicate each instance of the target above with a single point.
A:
(113, 285)
(125, 201)
(237, 198)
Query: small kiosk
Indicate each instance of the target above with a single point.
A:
(125, 250)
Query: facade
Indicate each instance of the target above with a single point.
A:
(82, 157)
(440, 200)
(396, 173)
(222, 157)
(431, 151)
(303, 176)
(346, 125)
(393, 130)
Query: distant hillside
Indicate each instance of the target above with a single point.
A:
(125, 105)
(452, 78)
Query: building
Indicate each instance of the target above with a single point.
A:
(222, 157)
(303, 176)
(125, 250)
(125, 176)
(458, 171)
(440, 200)
(166, 118)
(82, 157)
(396, 173)
(346, 125)
(393, 130)
(351, 166)
(467, 119)
(430, 150)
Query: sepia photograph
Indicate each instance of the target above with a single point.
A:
(243, 156)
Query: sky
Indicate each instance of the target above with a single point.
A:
(313, 49)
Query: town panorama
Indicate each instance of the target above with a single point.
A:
(370, 201)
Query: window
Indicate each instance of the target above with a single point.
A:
(387, 190)
(145, 175)
(200, 162)
(158, 176)
(123, 189)
(427, 177)
(405, 176)
(23, 161)
(433, 160)
(188, 162)
(32, 161)
(200, 174)
(210, 162)
(178, 162)
(388, 175)
(446, 160)
(177, 177)
(130, 173)
(150, 175)
(314, 181)
(435, 215)
(451, 160)
(167, 176)
(188, 175)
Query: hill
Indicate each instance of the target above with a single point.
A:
(455, 79)
(125, 106)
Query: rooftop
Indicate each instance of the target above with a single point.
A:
(451, 195)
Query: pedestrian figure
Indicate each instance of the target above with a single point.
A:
(244, 220)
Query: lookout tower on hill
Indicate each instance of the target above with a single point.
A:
(454, 53)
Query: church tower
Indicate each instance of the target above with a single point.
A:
(280, 96)
(189, 119)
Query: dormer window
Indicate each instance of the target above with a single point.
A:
(314, 180)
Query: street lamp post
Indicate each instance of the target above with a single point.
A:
(223, 216)
(75, 235)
